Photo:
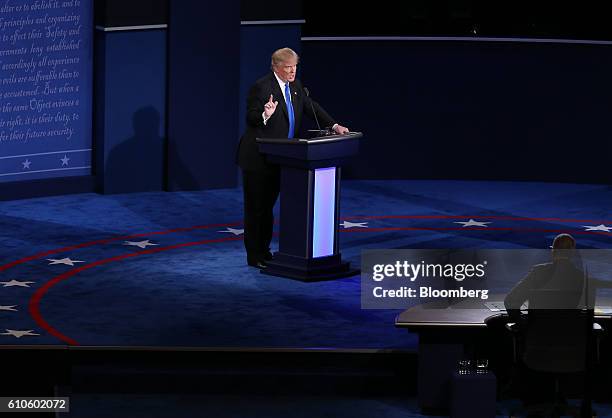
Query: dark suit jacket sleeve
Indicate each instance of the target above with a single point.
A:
(518, 295)
(255, 107)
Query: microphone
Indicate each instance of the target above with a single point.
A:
(321, 131)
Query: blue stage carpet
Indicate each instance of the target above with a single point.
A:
(184, 281)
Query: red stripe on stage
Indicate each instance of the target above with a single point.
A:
(107, 240)
(34, 305)
(557, 231)
(499, 218)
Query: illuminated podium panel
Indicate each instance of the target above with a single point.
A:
(309, 205)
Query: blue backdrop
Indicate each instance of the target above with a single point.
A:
(130, 102)
(45, 96)
(468, 110)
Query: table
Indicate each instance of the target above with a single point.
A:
(449, 332)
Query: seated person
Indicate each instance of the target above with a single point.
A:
(561, 275)
(553, 290)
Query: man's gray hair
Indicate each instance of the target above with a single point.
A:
(283, 55)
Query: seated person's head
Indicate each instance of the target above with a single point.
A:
(563, 246)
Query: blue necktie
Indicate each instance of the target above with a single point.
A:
(289, 111)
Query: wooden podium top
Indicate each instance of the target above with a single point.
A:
(314, 140)
(321, 151)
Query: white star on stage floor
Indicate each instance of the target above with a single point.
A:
(16, 283)
(26, 164)
(347, 224)
(64, 160)
(472, 222)
(601, 227)
(234, 231)
(66, 261)
(140, 244)
(8, 308)
(19, 334)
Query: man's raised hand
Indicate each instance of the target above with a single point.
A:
(270, 107)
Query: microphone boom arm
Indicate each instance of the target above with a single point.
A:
(321, 131)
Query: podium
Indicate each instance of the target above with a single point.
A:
(309, 205)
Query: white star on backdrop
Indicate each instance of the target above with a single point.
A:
(66, 261)
(26, 164)
(141, 244)
(234, 231)
(19, 334)
(16, 283)
(64, 160)
(472, 222)
(8, 308)
(601, 227)
(347, 224)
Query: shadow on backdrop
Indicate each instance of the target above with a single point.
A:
(136, 164)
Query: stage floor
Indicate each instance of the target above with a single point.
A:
(169, 270)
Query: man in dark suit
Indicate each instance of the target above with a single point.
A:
(562, 274)
(275, 107)
(553, 332)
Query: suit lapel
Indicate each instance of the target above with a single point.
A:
(278, 95)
